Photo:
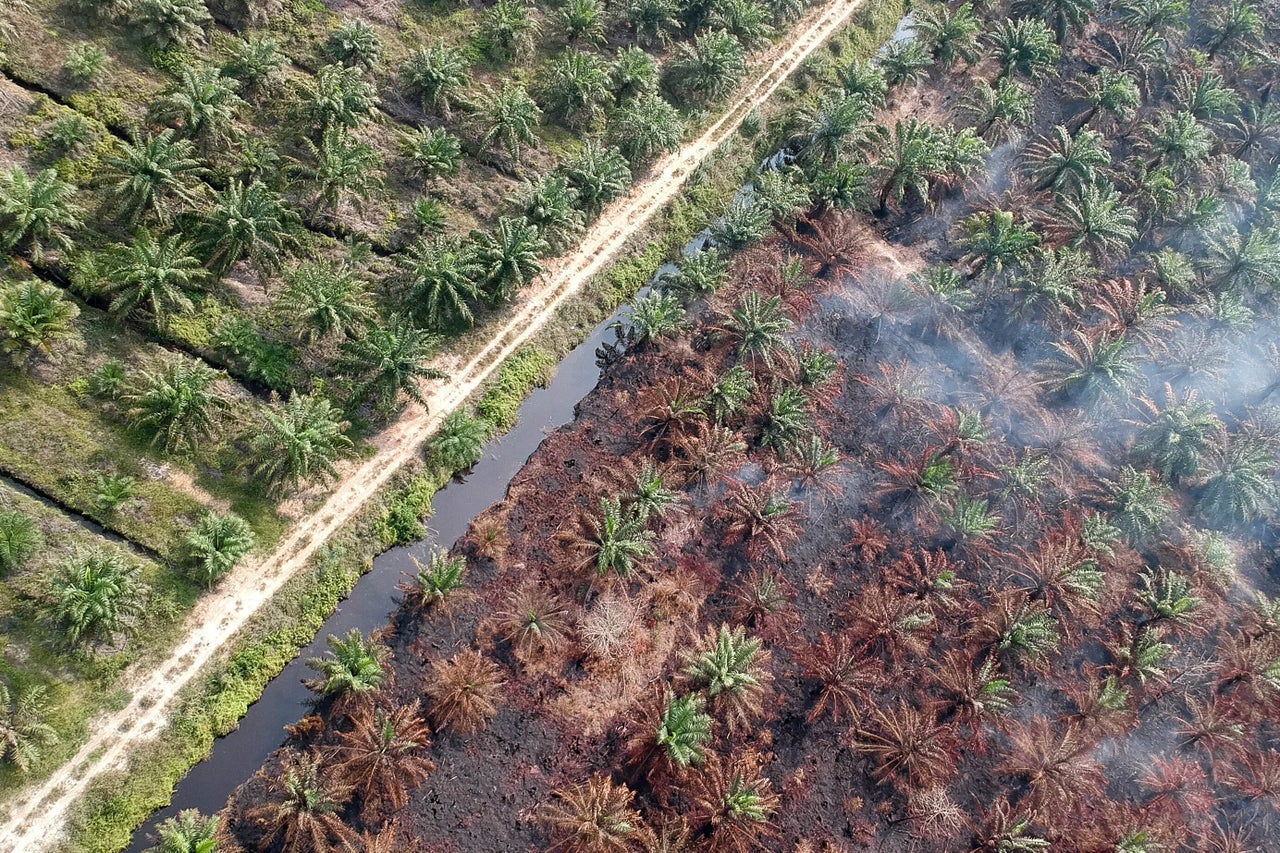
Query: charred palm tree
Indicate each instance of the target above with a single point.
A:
(381, 757)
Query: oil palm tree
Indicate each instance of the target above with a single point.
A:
(354, 43)
(614, 541)
(644, 127)
(534, 622)
(460, 441)
(202, 106)
(353, 665)
(1024, 47)
(36, 213)
(302, 812)
(1095, 368)
(654, 316)
(437, 582)
(864, 79)
(576, 88)
(759, 327)
(633, 73)
(834, 127)
(910, 747)
(1096, 219)
(335, 97)
(24, 734)
(708, 68)
(442, 280)
(1178, 140)
(506, 118)
(437, 75)
(1240, 486)
(1062, 16)
(188, 831)
(735, 801)
(299, 441)
(696, 275)
(905, 63)
(732, 670)
(1062, 161)
(388, 360)
(650, 21)
(216, 545)
(999, 112)
(952, 35)
(728, 396)
(382, 756)
(432, 151)
(247, 222)
(96, 596)
(35, 316)
(1232, 28)
(595, 816)
(1177, 434)
(996, 243)
(158, 174)
(550, 204)
(509, 29)
(580, 21)
(1110, 93)
(786, 421)
(20, 539)
(152, 277)
(1139, 504)
(324, 300)
(507, 258)
(165, 24)
(176, 403)
(911, 157)
(598, 175)
(257, 63)
(464, 692)
(338, 171)
(1242, 261)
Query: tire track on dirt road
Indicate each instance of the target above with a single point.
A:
(37, 817)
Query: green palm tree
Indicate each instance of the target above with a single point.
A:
(298, 441)
(999, 112)
(442, 280)
(1139, 505)
(247, 221)
(651, 21)
(432, 152)
(863, 78)
(36, 213)
(256, 62)
(336, 96)
(633, 73)
(708, 68)
(759, 326)
(339, 170)
(1255, 128)
(1065, 162)
(1062, 16)
(437, 75)
(580, 21)
(459, 443)
(507, 258)
(507, 117)
(834, 127)
(389, 360)
(745, 20)
(166, 24)
(35, 316)
(202, 106)
(952, 35)
(654, 316)
(683, 729)
(323, 300)
(744, 222)
(1093, 369)
(551, 206)
(1243, 261)
(509, 29)
(729, 667)
(1097, 219)
(152, 277)
(1024, 47)
(996, 243)
(1241, 486)
(1173, 441)
(1205, 95)
(576, 88)
(216, 546)
(1177, 140)
(354, 665)
(910, 158)
(23, 731)
(905, 63)
(158, 174)
(616, 541)
(644, 127)
(786, 421)
(188, 832)
(95, 595)
(355, 43)
(598, 175)
(176, 403)
(436, 580)
(1108, 92)
(696, 275)
(1232, 28)
(727, 398)
(20, 539)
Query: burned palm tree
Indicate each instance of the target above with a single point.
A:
(301, 814)
(464, 691)
(382, 756)
(760, 517)
(846, 677)
(911, 749)
(1056, 766)
(735, 803)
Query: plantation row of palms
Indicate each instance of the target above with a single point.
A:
(968, 556)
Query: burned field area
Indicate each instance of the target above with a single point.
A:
(946, 525)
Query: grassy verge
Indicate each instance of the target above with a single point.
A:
(108, 814)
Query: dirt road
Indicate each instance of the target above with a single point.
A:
(35, 819)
